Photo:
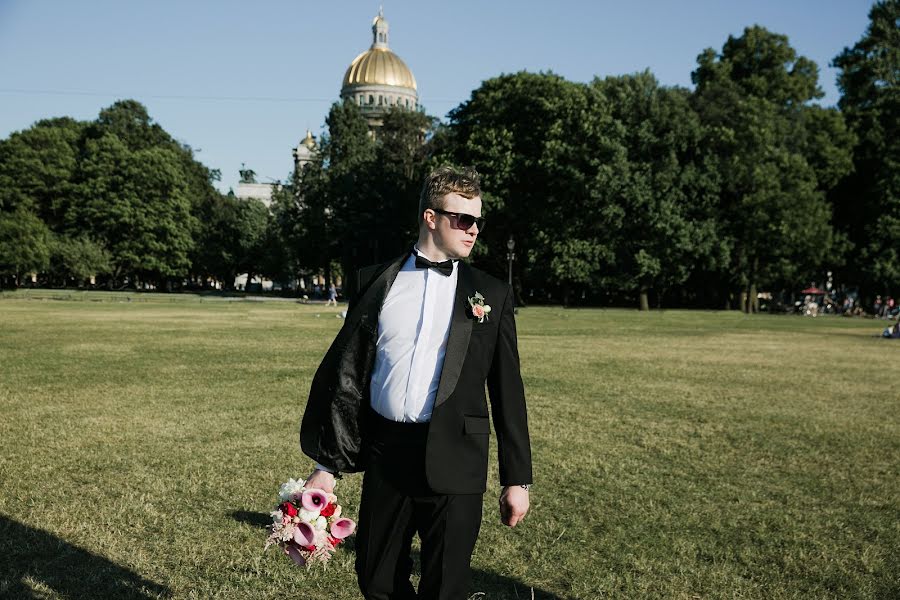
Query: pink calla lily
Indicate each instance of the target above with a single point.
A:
(304, 534)
(314, 499)
(342, 527)
(295, 555)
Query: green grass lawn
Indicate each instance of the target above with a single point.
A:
(677, 454)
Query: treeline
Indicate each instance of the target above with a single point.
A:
(622, 190)
(617, 190)
(117, 199)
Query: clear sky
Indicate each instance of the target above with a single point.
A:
(242, 81)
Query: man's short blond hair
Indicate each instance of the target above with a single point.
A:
(464, 181)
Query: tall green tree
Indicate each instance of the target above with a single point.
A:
(336, 193)
(754, 99)
(216, 254)
(24, 245)
(292, 251)
(547, 149)
(38, 168)
(661, 202)
(868, 201)
(253, 220)
(137, 203)
(399, 167)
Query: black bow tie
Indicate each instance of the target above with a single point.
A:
(444, 268)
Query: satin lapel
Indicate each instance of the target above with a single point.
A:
(370, 303)
(458, 340)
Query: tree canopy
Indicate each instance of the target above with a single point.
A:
(617, 190)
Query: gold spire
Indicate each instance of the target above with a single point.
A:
(309, 141)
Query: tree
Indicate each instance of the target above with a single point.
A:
(389, 219)
(547, 149)
(130, 122)
(662, 199)
(251, 242)
(754, 99)
(335, 194)
(78, 258)
(37, 169)
(138, 204)
(868, 201)
(215, 254)
(24, 245)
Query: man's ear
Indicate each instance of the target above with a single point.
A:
(428, 219)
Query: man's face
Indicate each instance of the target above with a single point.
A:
(448, 234)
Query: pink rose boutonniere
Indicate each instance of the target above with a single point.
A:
(480, 310)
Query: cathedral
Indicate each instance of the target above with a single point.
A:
(377, 80)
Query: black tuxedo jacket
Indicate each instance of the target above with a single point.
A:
(333, 431)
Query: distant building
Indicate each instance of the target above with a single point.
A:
(378, 80)
(305, 152)
(256, 191)
(249, 188)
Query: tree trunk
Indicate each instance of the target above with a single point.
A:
(644, 298)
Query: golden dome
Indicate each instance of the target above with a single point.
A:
(379, 66)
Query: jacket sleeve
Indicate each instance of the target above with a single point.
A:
(507, 395)
(330, 429)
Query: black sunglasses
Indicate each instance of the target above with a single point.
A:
(463, 221)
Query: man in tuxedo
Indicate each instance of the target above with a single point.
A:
(400, 395)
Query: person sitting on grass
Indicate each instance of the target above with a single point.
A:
(892, 332)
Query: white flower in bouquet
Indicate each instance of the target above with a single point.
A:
(337, 512)
(321, 523)
(286, 533)
(308, 515)
(291, 489)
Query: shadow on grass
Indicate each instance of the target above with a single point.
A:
(486, 585)
(33, 561)
(254, 519)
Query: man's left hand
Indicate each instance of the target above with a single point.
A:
(513, 504)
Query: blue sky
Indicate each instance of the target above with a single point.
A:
(242, 81)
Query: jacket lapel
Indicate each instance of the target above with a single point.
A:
(369, 305)
(458, 340)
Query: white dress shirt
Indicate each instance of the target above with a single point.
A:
(413, 327)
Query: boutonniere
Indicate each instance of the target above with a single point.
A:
(480, 310)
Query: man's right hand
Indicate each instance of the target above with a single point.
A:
(322, 480)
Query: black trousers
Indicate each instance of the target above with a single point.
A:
(396, 504)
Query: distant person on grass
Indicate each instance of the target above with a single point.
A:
(332, 295)
(401, 395)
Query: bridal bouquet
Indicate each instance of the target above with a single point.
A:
(307, 524)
